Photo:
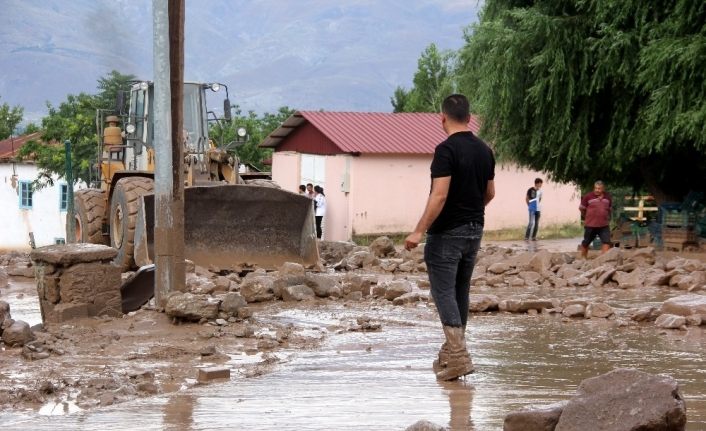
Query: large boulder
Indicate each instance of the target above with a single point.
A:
(599, 310)
(360, 259)
(499, 268)
(17, 334)
(290, 269)
(324, 285)
(685, 305)
(4, 312)
(630, 280)
(643, 256)
(188, 306)
(613, 257)
(541, 262)
(425, 425)
(382, 247)
(625, 400)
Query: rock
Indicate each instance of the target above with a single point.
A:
(670, 321)
(354, 296)
(643, 314)
(297, 293)
(334, 251)
(17, 334)
(495, 280)
(567, 272)
(324, 285)
(283, 281)
(199, 284)
(574, 310)
(605, 277)
(499, 268)
(541, 419)
(231, 303)
(685, 305)
(516, 282)
(291, 268)
(390, 265)
(222, 284)
(691, 265)
(191, 307)
(656, 277)
(643, 256)
(411, 298)
(397, 288)
(613, 257)
(579, 280)
(4, 313)
(382, 247)
(258, 288)
(630, 280)
(360, 259)
(408, 266)
(480, 302)
(625, 399)
(694, 320)
(425, 425)
(356, 283)
(21, 270)
(541, 262)
(4, 278)
(206, 375)
(599, 310)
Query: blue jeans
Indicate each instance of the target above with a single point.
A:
(450, 257)
(533, 225)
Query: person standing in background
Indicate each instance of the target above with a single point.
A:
(310, 191)
(533, 199)
(320, 211)
(596, 207)
(302, 189)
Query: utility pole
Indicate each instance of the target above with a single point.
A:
(169, 154)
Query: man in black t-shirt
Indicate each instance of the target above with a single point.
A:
(462, 173)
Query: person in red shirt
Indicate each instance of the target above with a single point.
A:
(595, 210)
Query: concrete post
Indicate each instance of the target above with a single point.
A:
(169, 186)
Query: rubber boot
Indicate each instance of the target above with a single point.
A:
(443, 355)
(605, 248)
(459, 363)
(584, 251)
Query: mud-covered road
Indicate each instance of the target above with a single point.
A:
(308, 366)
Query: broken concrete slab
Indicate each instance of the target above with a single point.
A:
(71, 254)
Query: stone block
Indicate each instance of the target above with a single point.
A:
(70, 254)
(66, 311)
(213, 373)
(82, 282)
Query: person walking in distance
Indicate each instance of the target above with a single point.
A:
(596, 211)
(320, 205)
(533, 199)
(462, 184)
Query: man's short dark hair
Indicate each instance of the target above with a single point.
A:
(538, 181)
(302, 188)
(309, 184)
(456, 107)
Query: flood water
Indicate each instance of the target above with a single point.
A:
(383, 380)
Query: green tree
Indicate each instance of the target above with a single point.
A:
(432, 82)
(588, 90)
(257, 127)
(10, 117)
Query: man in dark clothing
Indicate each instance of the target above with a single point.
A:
(462, 173)
(595, 210)
(533, 199)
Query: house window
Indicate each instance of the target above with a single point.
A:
(59, 241)
(26, 194)
(63, 197)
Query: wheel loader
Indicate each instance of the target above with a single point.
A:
(228, 222)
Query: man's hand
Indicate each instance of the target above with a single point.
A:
(412, 240)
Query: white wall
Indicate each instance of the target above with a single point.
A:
(44, 219)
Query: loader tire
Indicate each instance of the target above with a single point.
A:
(89, 208)
(123, 214)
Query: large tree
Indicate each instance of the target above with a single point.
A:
(588, 90)
(432, 81)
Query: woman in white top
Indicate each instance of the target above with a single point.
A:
(320, 205)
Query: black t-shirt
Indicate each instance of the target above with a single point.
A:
(470, 164)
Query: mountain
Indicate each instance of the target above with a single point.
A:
(310, 54)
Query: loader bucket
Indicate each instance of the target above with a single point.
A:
(231, 226)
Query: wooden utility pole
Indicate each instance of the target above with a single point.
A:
(169, 150)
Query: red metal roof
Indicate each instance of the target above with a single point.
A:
(371, 132)
(10, 146)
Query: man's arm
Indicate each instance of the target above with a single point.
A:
(527, 196)
(490, 193)
(435, 203)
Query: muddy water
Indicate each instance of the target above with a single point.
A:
(383, 380)
(22, 297)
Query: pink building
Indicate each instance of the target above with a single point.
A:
(374, 168)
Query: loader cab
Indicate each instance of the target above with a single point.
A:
(140, 128)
